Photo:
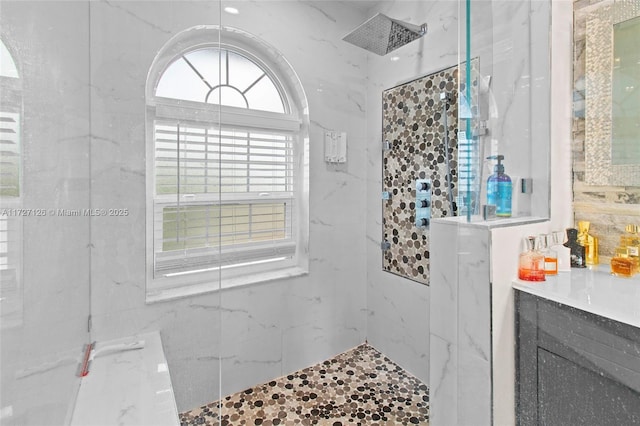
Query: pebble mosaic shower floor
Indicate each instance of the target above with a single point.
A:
(357, 387)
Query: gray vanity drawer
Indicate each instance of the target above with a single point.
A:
(600, 344)
(574, 367)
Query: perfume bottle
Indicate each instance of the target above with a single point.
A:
(550, 255)
(621, 264)
(531, 262)
(564, 253)
(576, 249)
(589, 242)
(631, 240)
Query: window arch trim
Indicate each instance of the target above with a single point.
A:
(239, 41)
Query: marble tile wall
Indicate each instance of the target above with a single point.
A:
(257, 332)
(460, 318)
(39, 353)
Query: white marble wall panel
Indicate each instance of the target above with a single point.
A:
(461, 323)
(474, 391)
(443, 320)
(474, 327)
(442, 385)
(267, 329)
(39, 352)
(474, 292)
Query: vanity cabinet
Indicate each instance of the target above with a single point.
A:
(574, 367)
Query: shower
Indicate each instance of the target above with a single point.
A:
(382, 34)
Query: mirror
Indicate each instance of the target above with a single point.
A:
(625, 105)
(612, 93)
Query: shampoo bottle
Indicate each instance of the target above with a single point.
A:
(499, 188)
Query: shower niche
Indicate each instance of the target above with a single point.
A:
(420, 127)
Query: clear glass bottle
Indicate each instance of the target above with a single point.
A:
(589, 242)
(531, 262)
(550, 255)
(564, 253)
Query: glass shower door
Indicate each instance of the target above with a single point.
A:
(44, 196)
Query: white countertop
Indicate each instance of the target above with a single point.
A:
(591, 290)
(130, 387)
(478, 222)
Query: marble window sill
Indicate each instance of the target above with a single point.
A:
(224, 283)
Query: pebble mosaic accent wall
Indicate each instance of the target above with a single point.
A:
(609, 206)
(414, 126)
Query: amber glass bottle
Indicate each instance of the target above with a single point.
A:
(631, 240)
(621, 264)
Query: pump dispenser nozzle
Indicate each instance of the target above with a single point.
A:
(498, 168)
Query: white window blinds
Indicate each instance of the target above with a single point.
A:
(9, 260)
(222, 196)
(9, 155)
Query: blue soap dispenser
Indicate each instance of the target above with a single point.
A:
(499, 188)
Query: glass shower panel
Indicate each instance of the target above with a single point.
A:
(44, 203)
(508, 111)
(153, 157)
(505, 51)
(259, 168)
(294, 272)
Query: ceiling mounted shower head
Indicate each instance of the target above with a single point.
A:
(382, 34)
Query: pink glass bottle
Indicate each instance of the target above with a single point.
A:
(531, 263)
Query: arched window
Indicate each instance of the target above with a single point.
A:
(226, 142)
(10, 189)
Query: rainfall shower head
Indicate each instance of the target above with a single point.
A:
(382, 34)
